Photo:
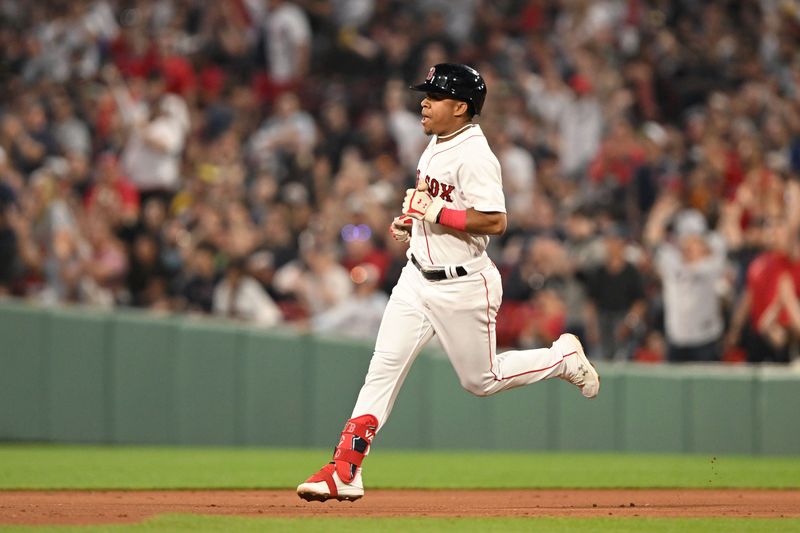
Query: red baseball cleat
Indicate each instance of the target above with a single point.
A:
(327, 485)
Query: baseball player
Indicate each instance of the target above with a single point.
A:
(449, 287)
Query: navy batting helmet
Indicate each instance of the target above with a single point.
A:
(456, 81)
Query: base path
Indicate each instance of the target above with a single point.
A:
(102, 507)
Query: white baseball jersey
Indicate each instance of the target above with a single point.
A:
(465, 173)
(459, 311)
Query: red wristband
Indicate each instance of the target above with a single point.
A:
(454, 218)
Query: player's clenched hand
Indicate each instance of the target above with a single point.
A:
(401, 228)
(421, 205)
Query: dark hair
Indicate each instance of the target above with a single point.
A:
(237, 264)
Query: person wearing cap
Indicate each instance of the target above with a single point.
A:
(691, 262)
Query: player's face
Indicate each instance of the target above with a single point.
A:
(439, 114)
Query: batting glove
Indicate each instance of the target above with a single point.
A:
(421, 205)
(401, 228)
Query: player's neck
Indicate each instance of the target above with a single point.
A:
(443, 137)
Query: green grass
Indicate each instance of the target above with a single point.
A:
(196, 523)
(87, 467)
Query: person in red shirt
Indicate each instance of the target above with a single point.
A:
(781, 319)
(760, 304)
(619, 157)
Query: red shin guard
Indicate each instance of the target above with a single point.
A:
(353, 445)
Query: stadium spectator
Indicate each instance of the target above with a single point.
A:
(573, 114)
(616, 303)
(112, 196)
(152, 154)
(199, 279)
(764, 338)
(317, 280)
(287, 42)
(9, 247)
(70, 132)
(146, 281)
(239, 296)
(691, 264)
(288, 134)
(359, 315)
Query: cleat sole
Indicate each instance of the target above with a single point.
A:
(316, 497)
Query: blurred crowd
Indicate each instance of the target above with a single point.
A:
(244, 158)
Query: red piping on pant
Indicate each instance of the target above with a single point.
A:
(489, 333)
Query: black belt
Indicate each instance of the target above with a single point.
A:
(436, 274)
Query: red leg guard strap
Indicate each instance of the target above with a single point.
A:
(353, 445)
(325, 474)
(359, 430)
(348, 456)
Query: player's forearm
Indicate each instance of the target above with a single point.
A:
(739, 315)
(420, 205)
(787, 299)
(636, 314)
(480, 223)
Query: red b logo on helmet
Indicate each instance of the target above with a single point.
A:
(430, 74)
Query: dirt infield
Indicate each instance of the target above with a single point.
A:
(103, 507)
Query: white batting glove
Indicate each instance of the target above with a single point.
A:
(401, 228)
(421, 205)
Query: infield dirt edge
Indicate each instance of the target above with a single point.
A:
(31, 507)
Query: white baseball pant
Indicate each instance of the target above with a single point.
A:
(462, 312)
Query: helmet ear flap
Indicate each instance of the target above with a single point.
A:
(476, 104)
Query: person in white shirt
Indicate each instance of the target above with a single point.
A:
(573, 111)
(239, 296)
(359, 315)
(290, 130)
(316, 279)
(288, 42)
(153, 153)
(692, 266)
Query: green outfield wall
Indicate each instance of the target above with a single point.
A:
(75, 375)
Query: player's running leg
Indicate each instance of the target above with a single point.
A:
(467, 334)
(404, 331)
